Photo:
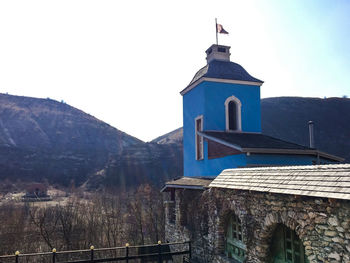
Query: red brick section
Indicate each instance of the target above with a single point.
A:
(217, 150)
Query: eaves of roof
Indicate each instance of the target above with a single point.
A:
(232, 81)
(301, 151)
(195, 183)
(294, 151)
(193, 187)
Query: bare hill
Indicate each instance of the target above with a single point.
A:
(287, 118)
(46, 124)
(42, 139)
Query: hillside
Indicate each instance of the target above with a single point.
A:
(45, 124)
(44, 139)
(287, 118)
(149, 163)
(174, 136)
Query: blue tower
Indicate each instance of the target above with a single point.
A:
(222, 122)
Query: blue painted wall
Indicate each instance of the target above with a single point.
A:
(193, 106)
(215, 97)
(212, 167)
(208, 99)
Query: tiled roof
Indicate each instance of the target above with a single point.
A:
(253, 140)
(189, 182)
(260, 143)
(329, 181)
(224, 70)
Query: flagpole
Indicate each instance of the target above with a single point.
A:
(216, 31)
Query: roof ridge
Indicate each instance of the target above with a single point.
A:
(295, 167)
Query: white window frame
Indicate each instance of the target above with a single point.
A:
(200, 117)
(238, 117)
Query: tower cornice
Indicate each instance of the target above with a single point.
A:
(231, 81)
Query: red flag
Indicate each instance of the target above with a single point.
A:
(220, 29)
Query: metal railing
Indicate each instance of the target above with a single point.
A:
(146, 253)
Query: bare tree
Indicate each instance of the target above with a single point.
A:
(46, 221)
(102, 220)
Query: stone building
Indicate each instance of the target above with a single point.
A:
(245, 196)
(270, 214)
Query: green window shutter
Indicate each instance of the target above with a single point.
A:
(287, 247)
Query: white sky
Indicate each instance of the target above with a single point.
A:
(125, 62)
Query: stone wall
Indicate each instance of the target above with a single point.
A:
(323, 225)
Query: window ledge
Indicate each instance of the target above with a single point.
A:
(225, 259)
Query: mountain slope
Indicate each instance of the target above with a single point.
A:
(42, 139)
(148, 163)
(45, 124)
(287, 118)
(174, 136)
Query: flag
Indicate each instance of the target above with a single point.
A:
(220, 29)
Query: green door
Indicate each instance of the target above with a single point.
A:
(286, 247)
(235, 247)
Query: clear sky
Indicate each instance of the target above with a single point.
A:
(125, 62)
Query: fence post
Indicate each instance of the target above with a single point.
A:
(190, 249)
(17, 256)
(127, 252)
(159, 251)
(92, 253)
(54, 255)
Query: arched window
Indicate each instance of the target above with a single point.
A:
(235, 247)
(286, 247)
(233, 114)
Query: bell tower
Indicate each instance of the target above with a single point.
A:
(222, 96)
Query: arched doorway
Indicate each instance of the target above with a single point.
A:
(286, 246)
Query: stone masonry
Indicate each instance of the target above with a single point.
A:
(322, 224)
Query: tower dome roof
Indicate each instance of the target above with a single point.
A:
(219, 67)
(224, 70)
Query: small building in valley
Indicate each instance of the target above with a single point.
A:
(36, 192)
(246, 196)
